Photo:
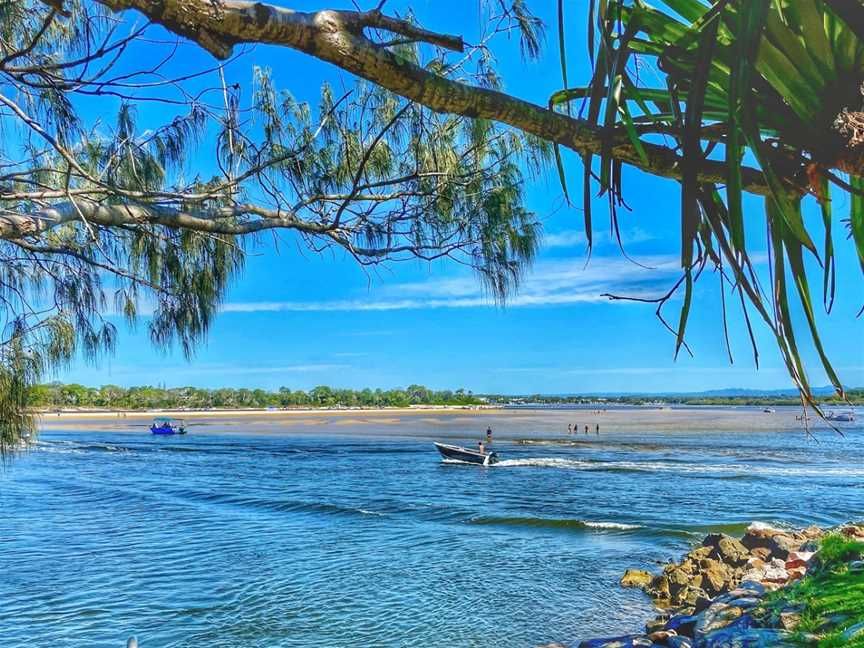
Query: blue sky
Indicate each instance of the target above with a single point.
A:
(298, 319)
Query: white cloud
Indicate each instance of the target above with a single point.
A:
(574, 238)
(552, 282)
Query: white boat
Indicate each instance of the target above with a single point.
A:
(464, 455)
(841, 417)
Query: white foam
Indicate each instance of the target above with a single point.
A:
(670, 467)
(619, 526)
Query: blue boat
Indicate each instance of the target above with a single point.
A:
(168, 426)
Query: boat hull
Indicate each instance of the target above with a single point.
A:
(464, 455)
(167, 430)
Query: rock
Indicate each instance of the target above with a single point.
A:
(783, 545)
(779, 543)
(692, 595)
(657, 624)
(678, 579)
(715, 575)
(854, 632)
(856, 565)
(636, 578)
(662, 636)
(761, 552)
(689, 566)
(748, 588)
(683, 624)
(776, 572)
(718, 615)
(679, 642)
(809, 546)
(747, 638)
(756, 574)
(699, 553)
(799, 559)
(853, 531)
(625, 641)
(703, 603)
(731, 551)
(796, 574)
(813, 532)
(801, 556)
(790, 620)
(660, 588)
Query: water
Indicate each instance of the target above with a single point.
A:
(296, 536)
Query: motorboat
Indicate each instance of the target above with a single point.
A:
(465, 455)
(844, 417)
(168, 426)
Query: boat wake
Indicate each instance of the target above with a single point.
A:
(740, 470)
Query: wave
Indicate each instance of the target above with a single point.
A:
(554, 523)
(682, 532)
(279, 506)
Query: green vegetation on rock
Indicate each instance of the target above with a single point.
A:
(830, 599)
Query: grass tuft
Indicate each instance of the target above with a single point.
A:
(830, 599)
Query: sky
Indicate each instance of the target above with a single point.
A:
(298, 319)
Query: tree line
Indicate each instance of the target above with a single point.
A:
(60, 395)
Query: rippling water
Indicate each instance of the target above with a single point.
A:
(301, 537)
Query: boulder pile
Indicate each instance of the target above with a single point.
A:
(712, 598)
(770, 557)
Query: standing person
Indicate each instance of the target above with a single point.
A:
(480, 447)
(569, 429)
(597, 429)
(586, 429)
(489, 436)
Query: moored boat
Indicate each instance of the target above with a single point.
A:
(168, 426)
(464, 455)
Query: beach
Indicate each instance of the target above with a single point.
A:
(511, 423)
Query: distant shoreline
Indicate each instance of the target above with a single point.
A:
(99, 413)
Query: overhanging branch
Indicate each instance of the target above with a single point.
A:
(337, 37)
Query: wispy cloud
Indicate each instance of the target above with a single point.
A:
(574, 238)
(551, 283)
(635, 371)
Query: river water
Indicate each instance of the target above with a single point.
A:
(354, 533)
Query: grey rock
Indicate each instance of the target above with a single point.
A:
(735, 637)
(749, 588)
(679, 642)
(745, 602)
(683, 624)
(718, 616)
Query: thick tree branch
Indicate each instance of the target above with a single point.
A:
(212, 221)
(337, 37)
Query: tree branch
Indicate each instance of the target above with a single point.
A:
(337, 37)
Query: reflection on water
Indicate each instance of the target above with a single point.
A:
(277, 540)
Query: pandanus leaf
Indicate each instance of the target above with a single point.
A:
(692, 143)
(856, 216)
